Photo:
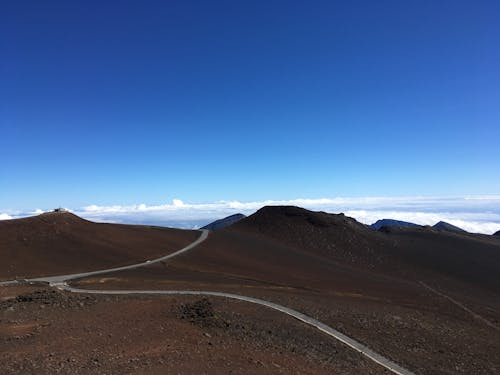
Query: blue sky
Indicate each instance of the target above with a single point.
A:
(120, 102)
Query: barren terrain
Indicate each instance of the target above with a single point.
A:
(59, 243)
(426, 299)
(46, 331)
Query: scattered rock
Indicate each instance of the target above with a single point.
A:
(201, 313)
(44, 298)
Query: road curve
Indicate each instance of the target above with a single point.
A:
(61, 283)
(64, 278)
(367, 352)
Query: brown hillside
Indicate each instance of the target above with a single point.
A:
(335, 236)
(409, 251)
(61, 242)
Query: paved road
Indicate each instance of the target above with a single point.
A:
(63, 278)
(61, 283)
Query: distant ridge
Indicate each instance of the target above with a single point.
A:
(497, 233)
(225, 222)
(443, 225)
(391, 223)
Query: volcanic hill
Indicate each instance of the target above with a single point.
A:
(402, 250)
(61, 242)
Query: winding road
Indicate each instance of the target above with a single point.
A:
(60, 282)
(53, 280)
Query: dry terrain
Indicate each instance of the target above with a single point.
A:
(46, 331)
(429, 300)
(59, 243)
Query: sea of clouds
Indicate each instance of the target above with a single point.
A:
(478, 214)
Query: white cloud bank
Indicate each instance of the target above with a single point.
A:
(479, 214)
(5, 217)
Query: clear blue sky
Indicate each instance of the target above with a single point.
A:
(120, 102)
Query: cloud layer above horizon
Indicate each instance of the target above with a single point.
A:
(478, 214)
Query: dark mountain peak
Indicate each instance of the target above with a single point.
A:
(497, 233)
(391, 223)
(274, 215)
(335, 236)
(443, 225)
(225, 222)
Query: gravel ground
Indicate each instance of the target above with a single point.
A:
(47, 332)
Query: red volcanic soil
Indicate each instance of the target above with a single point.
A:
(60, 242)
(47, 332)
